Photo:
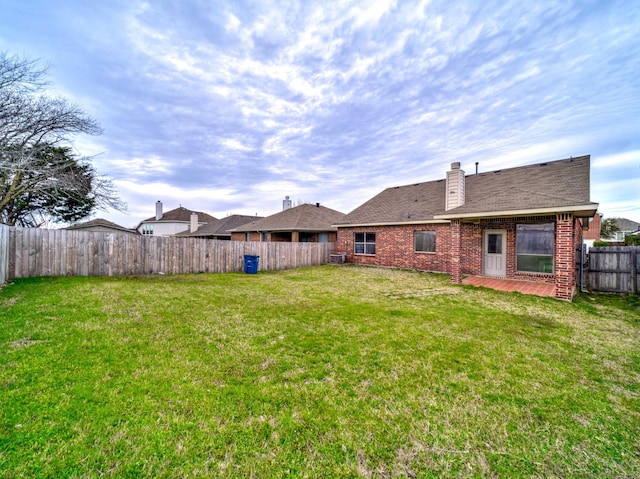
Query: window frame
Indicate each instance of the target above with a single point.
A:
(368, 243)
(432, 243)
(522, 256)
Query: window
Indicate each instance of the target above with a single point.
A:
(265, 237)
(306, 237)
(365, 243)
(534, 248)
(494, 243)
(424, 241)
(147, 229)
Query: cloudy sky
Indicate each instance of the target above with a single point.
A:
(228, 106)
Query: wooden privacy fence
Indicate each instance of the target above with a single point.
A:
(41, 252)
(614, 269)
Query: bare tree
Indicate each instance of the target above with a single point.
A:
(36, 166)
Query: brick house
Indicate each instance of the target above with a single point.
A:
(303, 223)
(592, 230)
(519, 223)
(220, 229)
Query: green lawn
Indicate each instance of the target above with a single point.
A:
(319, 372)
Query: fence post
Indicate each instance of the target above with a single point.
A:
(4, 254)
(634, 269)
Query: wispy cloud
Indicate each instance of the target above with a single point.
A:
(258, 100)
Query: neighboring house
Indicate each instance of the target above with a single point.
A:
(625, 227)
(592, 230)
(220, 229)
(304, 223)
(520, 223)
(102, 226)
(173, 222)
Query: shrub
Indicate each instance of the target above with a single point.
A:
(600, 243)
(632, 240)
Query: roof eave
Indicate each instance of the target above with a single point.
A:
(332, 229)
(392, 223)
(581, 211)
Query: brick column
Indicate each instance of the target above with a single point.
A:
(454, 252)
(564, 260)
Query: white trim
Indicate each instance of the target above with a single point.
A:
(539, 211)
(396, 223)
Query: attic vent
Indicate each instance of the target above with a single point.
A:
(543, 164)
(497, 172)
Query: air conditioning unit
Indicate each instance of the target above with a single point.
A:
(338, 258)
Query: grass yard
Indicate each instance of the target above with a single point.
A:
(319, 372)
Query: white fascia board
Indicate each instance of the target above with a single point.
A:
(589, 210)
(395, 223)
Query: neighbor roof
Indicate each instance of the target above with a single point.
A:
(543, 188)
(99, 222)
(626, 225)
(222, 226)
(181, 214)
(307, 217)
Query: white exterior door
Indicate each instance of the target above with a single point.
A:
(494, 253)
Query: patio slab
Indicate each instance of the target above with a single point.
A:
(503, 284)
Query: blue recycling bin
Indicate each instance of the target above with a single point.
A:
(251, 264)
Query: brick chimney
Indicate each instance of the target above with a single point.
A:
(194, 222)
(158, 210)
(454, 187)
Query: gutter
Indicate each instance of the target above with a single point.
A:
(393, 223)
(587, 210)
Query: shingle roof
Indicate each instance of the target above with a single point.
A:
(222, 226)
(182, 214)
(99, 222)
(301, 218)
(560, 185)
(627, 225)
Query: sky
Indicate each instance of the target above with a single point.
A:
(229, 106)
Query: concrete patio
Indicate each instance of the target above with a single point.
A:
(503, 284)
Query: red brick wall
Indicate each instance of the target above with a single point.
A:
(284, 237)
(395, 247)
(565, 264)
(455, 251)
(243, 236)
(594, 227)
(471, 246)
(459, 249)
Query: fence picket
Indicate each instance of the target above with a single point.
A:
(614, 269)
(26, 252)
